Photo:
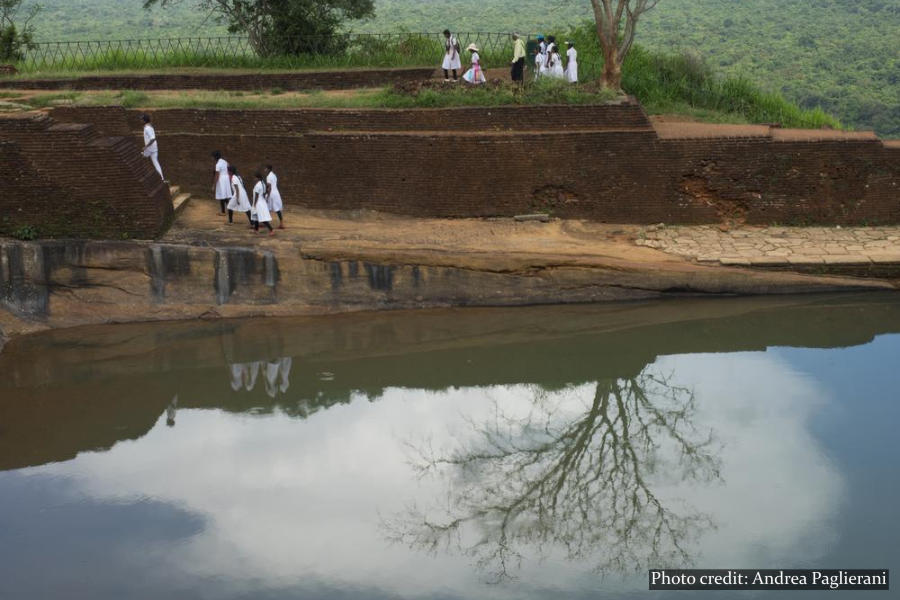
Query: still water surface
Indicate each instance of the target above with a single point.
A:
(526, 453)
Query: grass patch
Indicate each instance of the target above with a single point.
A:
(437, 96)
(45, 100)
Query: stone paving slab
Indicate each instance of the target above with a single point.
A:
(777, 247)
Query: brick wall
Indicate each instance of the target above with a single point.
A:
(296, 80)
(599, 162)
(119, 121)
(66, 180)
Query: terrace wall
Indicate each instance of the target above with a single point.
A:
(295, 80)
(66, 180)
(604, 162)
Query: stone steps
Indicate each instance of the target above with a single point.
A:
(179, 200)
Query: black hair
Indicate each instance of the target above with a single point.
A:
(259, 175)
(145, 118)
(269, 167)
(217, 155)
(232, 169)
(446, 32)
(551, 38)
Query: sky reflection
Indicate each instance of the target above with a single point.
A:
(269, 460)
(287, 501)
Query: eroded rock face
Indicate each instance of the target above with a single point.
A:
(68, 283)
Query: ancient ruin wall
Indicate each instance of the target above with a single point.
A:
(600, 162)
(66, 180)
(297, 80)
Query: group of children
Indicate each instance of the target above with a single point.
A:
(232, 195)
(548, 62)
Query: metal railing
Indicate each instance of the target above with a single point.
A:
(339, 50)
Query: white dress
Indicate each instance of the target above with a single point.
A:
(274, 198)
(239, 201)
(572, 65)
(223, 185)
(475, 74)
(451, 54)
(262, 208)
(556, 67)
(540, 65)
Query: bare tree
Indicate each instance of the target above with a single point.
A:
(617, 22)
(584, 485)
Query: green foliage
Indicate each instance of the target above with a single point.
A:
(285, 27)
(668, 83)
(25, 232)
(16, 31)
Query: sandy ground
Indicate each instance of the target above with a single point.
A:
(495, 244)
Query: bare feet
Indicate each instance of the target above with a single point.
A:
(272, 232)
(281, 226)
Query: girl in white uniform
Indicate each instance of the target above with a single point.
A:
(222, 181)
(540, 64)
(572, 65)
(239, 201)
(452, 61)
(555, 67)
(273, 195)
(262, 207)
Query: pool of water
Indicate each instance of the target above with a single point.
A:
(554, 452)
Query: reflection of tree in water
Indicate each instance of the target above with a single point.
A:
(581, 481)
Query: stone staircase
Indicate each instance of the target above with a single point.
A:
(179, 199)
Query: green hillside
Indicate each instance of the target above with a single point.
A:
(842, 55)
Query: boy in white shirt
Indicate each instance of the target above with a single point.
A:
(151, 148)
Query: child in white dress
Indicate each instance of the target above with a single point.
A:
(222, 181)
(572, 64)
(475, 75)
(261, 205)
(540, 64)
(239, 201)
(555, 67)
(451, 61)
(273, 194)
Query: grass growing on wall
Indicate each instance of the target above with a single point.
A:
(546, 92)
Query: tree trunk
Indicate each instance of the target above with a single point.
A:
(612, 72)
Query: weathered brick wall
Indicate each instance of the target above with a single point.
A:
(70, 181)
(118, 121)
(765, 180)
(297, 80)
(604, 163)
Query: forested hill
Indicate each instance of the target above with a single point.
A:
(842, 55)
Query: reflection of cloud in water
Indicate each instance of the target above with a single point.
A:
(287, 499)
(780, 491)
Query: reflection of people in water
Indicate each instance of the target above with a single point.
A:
(245, 375)
(274, 368)
(170, 411)
(251, 372)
